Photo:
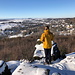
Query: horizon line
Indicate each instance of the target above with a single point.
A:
(37, 18)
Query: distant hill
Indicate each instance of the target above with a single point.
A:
(70, 20)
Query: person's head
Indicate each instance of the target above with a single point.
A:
(46, 27)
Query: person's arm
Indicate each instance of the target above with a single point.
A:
(42, 38)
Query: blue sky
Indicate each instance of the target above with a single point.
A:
(37, 8)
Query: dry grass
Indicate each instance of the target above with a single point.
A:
(66, 44)
(18, 48)
(23, 48)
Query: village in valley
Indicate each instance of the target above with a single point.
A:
(10, 28)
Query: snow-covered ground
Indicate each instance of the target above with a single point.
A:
(59, 67)
(15, 36)
(18, 35)
(62, 67)
(37, 67)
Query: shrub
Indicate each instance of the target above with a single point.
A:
(23, 48)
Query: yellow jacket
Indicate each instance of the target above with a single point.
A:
(46, 38)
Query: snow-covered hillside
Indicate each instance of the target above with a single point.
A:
(14, 28)
(59, 67)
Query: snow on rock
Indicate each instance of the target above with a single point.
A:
(56, 73)
(38, 68)
(27, 69)
(69, 61)
(56, 68)
(12, 65)
(70, 54)
(2, 66)
(66, 64)
(39, 52)
(59, 67)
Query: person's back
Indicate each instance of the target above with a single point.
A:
(46, 38)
